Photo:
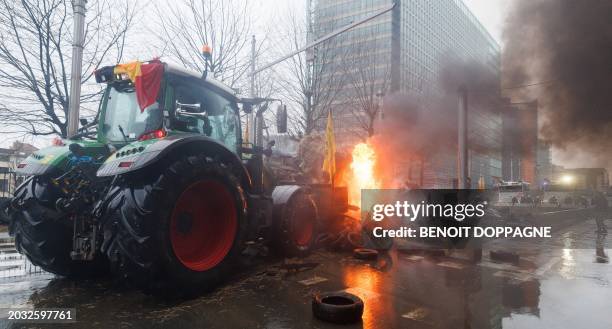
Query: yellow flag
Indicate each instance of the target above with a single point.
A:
(132, 69)
(245, 141)
(481, 183)
(329, 164)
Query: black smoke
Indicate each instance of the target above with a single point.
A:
(420, 125)
(563, 49)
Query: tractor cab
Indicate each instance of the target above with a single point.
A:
(152, 100)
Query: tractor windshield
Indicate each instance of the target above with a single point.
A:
(123, 120)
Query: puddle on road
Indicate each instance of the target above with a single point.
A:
(560, 288)
(18, 277)
(577, 295)
(557, 288)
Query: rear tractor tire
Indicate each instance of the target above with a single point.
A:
(296, 230)
(44, 234)
(177, 231)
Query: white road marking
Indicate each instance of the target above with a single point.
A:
(451, 265)
(414, 258)
(547, 266)
(314, 280)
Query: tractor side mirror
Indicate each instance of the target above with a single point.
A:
(190, 110)
(281, 119)
(247, 108)
(83, 122)
(197, 107)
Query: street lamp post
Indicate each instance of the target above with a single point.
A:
(462, 141)
(379, 95)
(78, 7)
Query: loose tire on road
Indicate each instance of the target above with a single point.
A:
(365, 254)
(179, 230)
(44, 234)
(337, 307)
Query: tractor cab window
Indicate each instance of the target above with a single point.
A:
(201, 110)
(123, 119)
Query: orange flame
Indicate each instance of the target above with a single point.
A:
(362, 174)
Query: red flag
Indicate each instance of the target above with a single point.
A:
(146, 79)
(147, 84)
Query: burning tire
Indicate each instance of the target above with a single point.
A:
(44, 234)
(181, 229)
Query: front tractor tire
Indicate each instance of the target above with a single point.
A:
(177, 230)
(44, 234)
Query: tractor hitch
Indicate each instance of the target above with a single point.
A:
(84, 238)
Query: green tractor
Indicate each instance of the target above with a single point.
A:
(165, 194)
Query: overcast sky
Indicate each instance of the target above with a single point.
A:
(490, 12)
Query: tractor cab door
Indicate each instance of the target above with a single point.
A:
(197, 108)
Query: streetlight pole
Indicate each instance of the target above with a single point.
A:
(379, 103)
(309, 45)
(326, 37)
(79, 8)
(462, 141)
(250, 116)
(309, 60)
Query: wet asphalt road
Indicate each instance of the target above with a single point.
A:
(563, 282)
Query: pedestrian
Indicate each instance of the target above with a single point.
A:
(600, 250)
(600, 211)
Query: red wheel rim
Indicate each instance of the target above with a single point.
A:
(303, 232)
(302, 225)
(203, 225)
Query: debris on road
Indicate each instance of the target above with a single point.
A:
(294, 266)
(417, 314)
(504, 256)
(312, 281)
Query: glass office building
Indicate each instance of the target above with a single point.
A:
(407, 49)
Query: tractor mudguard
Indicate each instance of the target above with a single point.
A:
(57, 158)
(281, 194)
(141, 154)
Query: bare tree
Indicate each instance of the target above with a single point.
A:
(224, 25)
(369, 78)
(266, 86)
(35, 50)
(311, 81)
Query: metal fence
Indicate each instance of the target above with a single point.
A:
(9, 181)
(12, 263)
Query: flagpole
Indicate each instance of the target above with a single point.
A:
(329, 163)
(331, 115)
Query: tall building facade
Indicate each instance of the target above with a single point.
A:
(406, 51)
(521, 158)
(544, 165)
